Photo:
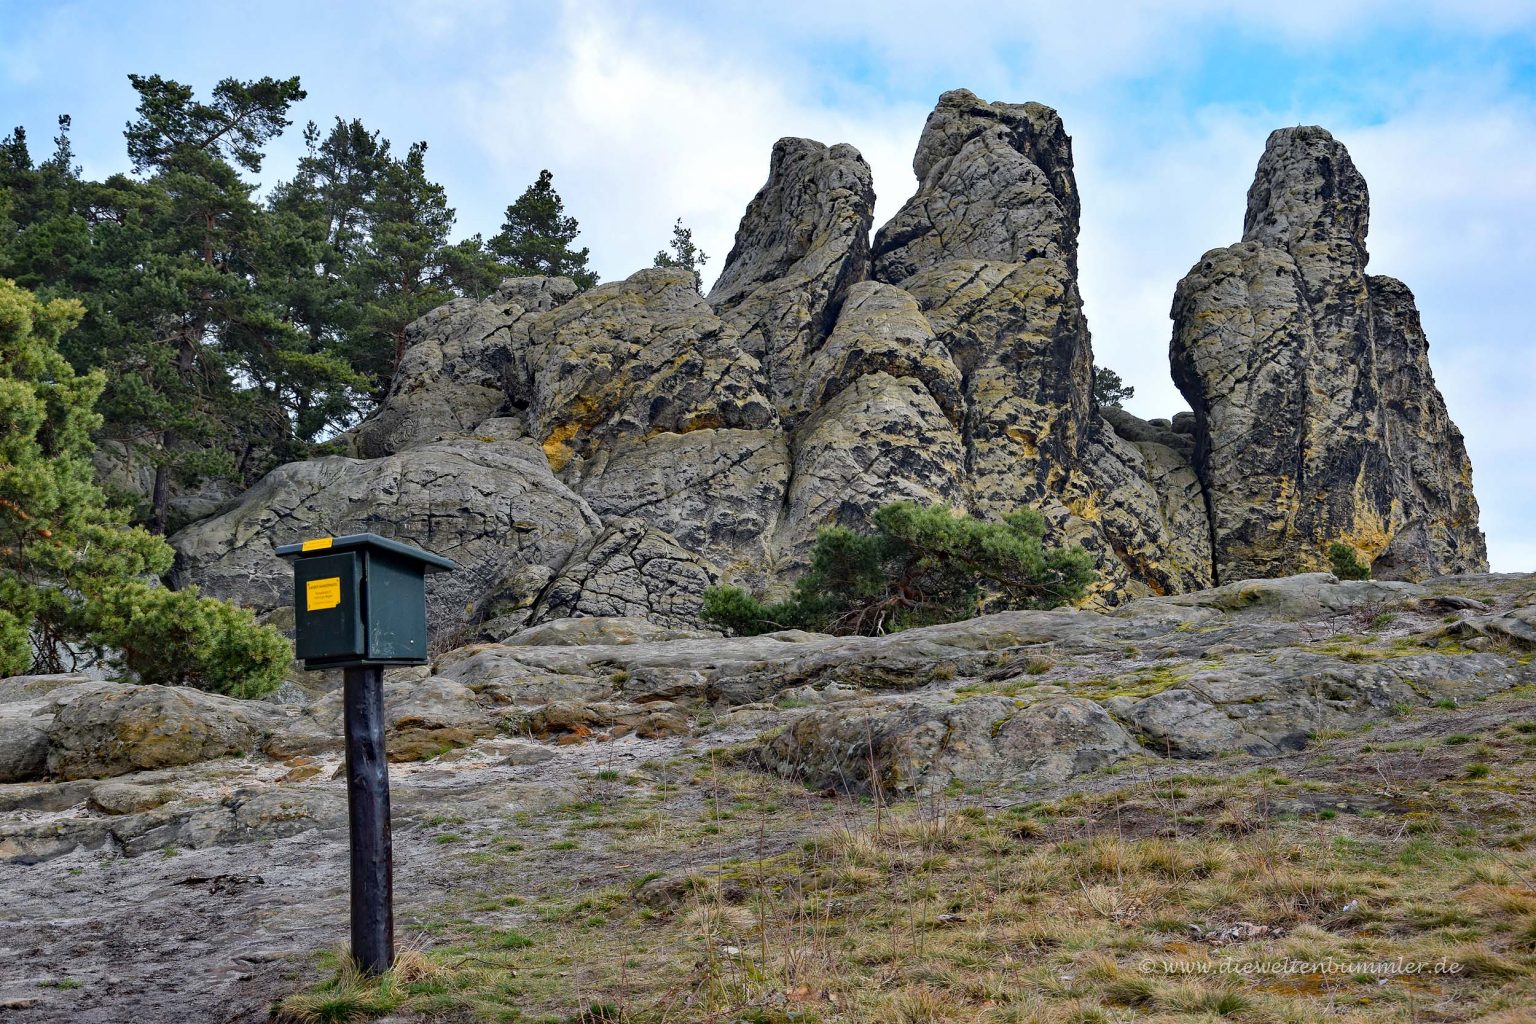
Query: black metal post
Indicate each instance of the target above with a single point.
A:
(373, 910)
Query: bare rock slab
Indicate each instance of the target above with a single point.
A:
(910, 746)
(114, 730)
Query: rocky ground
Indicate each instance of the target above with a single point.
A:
(170, 855)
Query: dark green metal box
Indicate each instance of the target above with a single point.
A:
(360, 600)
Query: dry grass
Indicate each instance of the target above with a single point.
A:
(1156, 901)
(352, 997)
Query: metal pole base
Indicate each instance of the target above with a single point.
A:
(373, 913)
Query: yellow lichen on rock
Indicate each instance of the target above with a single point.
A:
(555, 446)
(1029, 442)
(1085, 507)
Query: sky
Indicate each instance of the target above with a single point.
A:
(646, 112)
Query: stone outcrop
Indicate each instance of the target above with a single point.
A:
(630, 570)
(1317, 417)
(489, 505)
(632, 359)
(1431, 472)
(115, 730)
(23, 746)
(1259, 706)
(988, 247)
(920, 746)
(422, 719)
(995, 183)
(802, 243)
(614, 452)
(456, 365)
(1021, 698)
(645, 402)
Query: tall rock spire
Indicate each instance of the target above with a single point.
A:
(995, 182)
(802, 243)
(1317, 416)
(988, 247)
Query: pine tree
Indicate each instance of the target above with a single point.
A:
(1109, 389)
(684, 253)
(204, 342)
(408, 220)
(367, 253)
(73, 576)
(471, 269)
(919, 566)
(1345, 562)
(44, 237)
(238, 334)
(319, 227)
(334, 183)
(535, 239)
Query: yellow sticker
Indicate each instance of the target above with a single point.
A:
(322, 594)
(316, 545)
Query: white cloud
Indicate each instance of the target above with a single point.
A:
(643, 123)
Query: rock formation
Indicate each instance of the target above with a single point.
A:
(614, 452)
(803, 242)
(456, 366)
(988, 247)
(1317, 417)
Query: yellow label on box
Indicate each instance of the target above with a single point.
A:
(322, 594)
(316, 545)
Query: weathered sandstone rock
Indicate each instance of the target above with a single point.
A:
(802, 243)
(1317, 416)
(1432, 474)
(645, 400)
(599, 629)
(630, 570)
(126, 798)
(456, 366)
(882, 439)
(718, 492)
(573, 721)
(902, 747)
(490, 506)
(1260, 706)
(23, 746)
(114, 729)
(422, 718)
(996, 183)
(1308, 595)
(988, 247)
(632, 359)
